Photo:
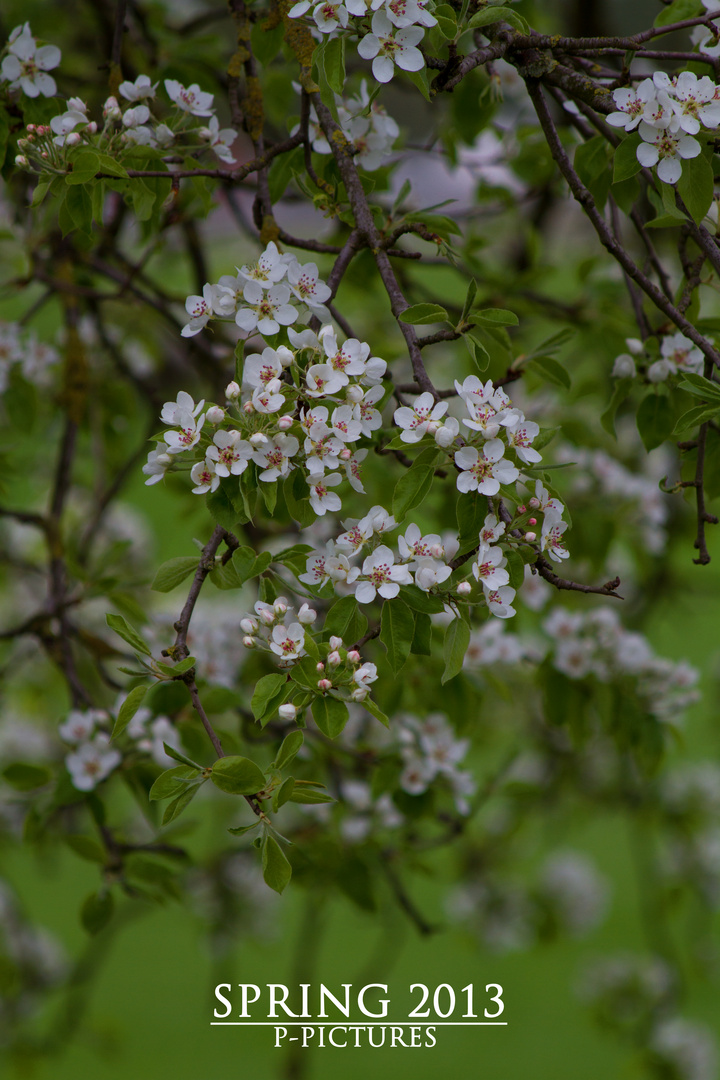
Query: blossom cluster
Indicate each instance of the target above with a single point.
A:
(366, 124)
(278, 629)
(93, 758)
(430, 750)
(26, 64)
(20, 347)
(191, 128)
(677, 355)
(569, 896)
(395, 29)
(667, 112)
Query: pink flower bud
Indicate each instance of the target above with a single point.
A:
(334, 658)
(44, 155)
(232, 391)
(324, 684)
(73, 139)
(287, 712)
(249, 642)
(532, 521)
(336, 642)
(353, 656)
(279, 607)
(437, 551)
(464, 588)
(91, 128)
(522, 509)
(285, 422)
(258, 439)
(215, 414)
(534, 503)
(248, 626)
(530, 536)
(267, 616)
(21, 161)
(319, 666)
(249, 407)
(30, 127)
(345, 454)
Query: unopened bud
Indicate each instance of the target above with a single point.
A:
(534, 503)
(345, 454)
(44, 155)
(324, 684)
(232, 391)
(444, 437)
(285, 422)
(360, 694)
(355, 394)
(22, 161)
(464, 588)
(336, 642)
(306, 615)
(319, 666)
(530, 536)
(287, 712)
(334, 658)
(73, 139)
(91, 128)
(279, 607)
(248, 626)
(249, 407)
(532, 521)
(30, 127)
(432, 427)
(249, 642)
(274, 386)
(353, 656)
(285, 356)
(258, 439)
(522, 509)
(215, 414)
(437, 551)
(164, 459)
(267, 616)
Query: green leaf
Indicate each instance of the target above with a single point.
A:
(87, 848)
(177, 756)
(127, 710)
(515, 568)
(591, 159)
(422, 637)
(171, 783)
(419, 314)
(492, 14)
(654, 420)
(330, 715)
(346, 620)
(700, 387)
(626, 193)
(108, 164)
(242, 829)
(221, 507)
(374, 709)
(97, 911)
(268, 694)
(419, 600)
(457, 639)
(24, 777)
(283, 793)
(85, 164)
(173, 572)
(127, 633)
(469, 295)
(176, 807)
(143, 198)
(334, 63)
(282, 170)
(626, 162)
(297, 496)
(621, 391)
(41, 189)
(79, 206)
(308, 796)
(678, 11)
(494, 316)
(411, 489)
(694, 417)
(237, 775)
(551, 370)
(397, 629)
(421, 80)
(289, 748)
(696, 186)
(277, 871)
(266, 43)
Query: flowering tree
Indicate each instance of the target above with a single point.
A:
(375, 650)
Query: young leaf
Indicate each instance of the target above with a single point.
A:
(177, 756)
(397, 628)
(127, 633)
(493, 316)
(172, 782)
(654, 420)
(552, 370)
(411, 489)
(267, 690)
(423, 313)
(96, 911)
(237, 775)
(626, 162)
(127, 710)
(457, 639)
(277, 871)
(24, 777)
(289, 748)
(303, 795)
(330, 715)
(173, 572)
(176, 807)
